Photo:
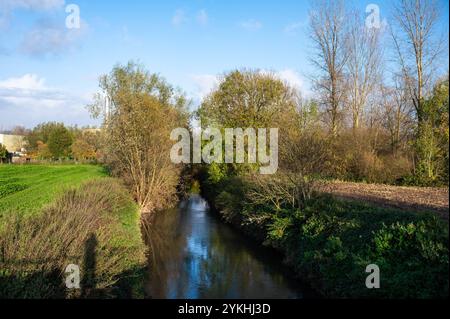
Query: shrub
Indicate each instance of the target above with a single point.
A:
(3, 153)
(363, 155)
(330, 242)
(424, 245)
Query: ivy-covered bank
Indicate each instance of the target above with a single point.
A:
(330, 242)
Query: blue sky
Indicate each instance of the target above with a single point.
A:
(48, 72)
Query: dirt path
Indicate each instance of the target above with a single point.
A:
(408, 198)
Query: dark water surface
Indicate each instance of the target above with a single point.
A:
(195, 255)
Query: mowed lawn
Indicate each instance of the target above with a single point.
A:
(26, 189)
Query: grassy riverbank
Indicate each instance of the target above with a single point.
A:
(80, 217)
(330, 242)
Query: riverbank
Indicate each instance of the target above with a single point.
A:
(91, 222)
(330, 242)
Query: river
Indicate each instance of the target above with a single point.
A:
(195, 255)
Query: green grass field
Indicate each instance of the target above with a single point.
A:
(54, 196)
(26, 189)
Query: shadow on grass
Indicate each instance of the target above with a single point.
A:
(25, 279)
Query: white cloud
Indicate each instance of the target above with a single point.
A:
(26, 82)
(291, 78)
(251, 25)
(204, 84)
(296, 81)
(38, 5)
(178, 18)
(47, 38)
(293, 28)
(28, 100)
(202, 17)
(30, 89)
(8, 6)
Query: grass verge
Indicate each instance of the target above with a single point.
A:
(95, 226)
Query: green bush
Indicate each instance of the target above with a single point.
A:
(330, 242)
(333, 242)
(3, 153)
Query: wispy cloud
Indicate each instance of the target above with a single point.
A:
(28, 100)
(31, 4)
(292, 78)
(204, 84)
(251, 25)
(8, 6)
(179, 18)
(295, 80)
(294, 28)
(202, 17)
(49, 38)
(26, 82)
(46, 36)
(128, 38)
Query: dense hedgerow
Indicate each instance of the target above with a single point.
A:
(330, 242)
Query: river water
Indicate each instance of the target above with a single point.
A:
(195, 255)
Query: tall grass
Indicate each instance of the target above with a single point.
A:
(88, 226)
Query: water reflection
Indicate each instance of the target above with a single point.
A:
(194, 255)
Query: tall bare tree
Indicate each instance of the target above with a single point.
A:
(363, 66)
(328, 33)
(418, 47)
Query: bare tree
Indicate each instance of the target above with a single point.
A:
(397, 113)
(363, 65)
(417, 46)
(328, 33)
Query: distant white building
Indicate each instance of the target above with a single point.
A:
(13, 143)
